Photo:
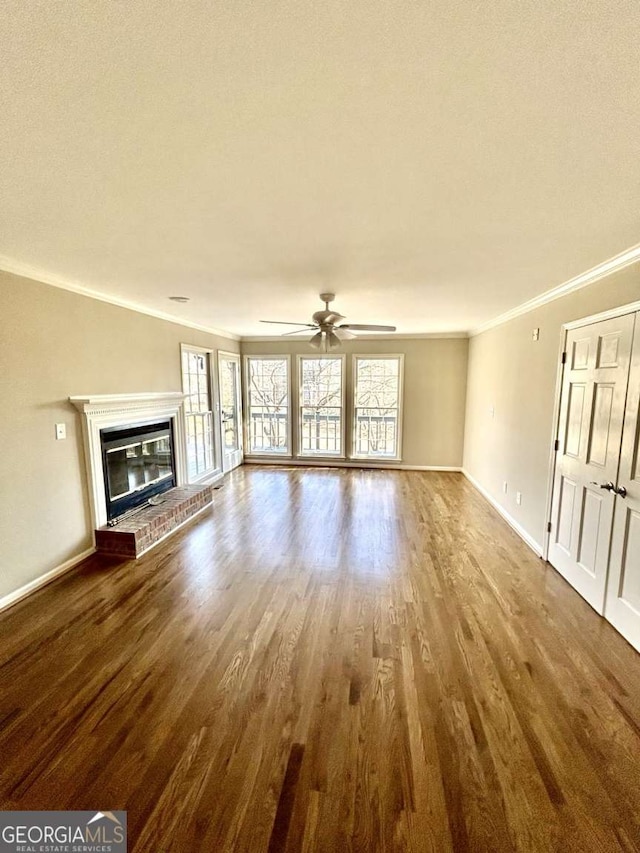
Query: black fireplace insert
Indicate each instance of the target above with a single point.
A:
(138, 464)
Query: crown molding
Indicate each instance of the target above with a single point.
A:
(14, 267)
(619, 262)
(251, 339)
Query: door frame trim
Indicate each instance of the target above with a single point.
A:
(610, 314)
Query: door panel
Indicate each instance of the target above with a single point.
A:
(602, 414)
(565, 513)
(608, 351)
(622, 606)
(592, 409)
(230, 410)
(630, 570)
(575, 419)
(592, 511)
(580, 351)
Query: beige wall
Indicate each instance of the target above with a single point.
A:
(517, 377)
(435, 375)
(54, 344)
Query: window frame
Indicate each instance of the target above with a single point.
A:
(249, 450)
(313, 454)
(399, 357)
(210, 356)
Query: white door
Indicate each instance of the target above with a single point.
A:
(622, 607)
(230, 410)
(590, 432)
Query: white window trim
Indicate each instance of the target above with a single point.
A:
(378, 356)
(213, 396)
(310, 454)
(249, 452)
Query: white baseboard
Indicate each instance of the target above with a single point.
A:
(344, 463)
(452, 468)
(519, 529)
(20, 593)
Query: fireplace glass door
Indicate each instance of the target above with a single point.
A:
(138, 463)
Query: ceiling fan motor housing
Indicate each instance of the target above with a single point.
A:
(327, 318)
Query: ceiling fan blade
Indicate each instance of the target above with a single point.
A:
(287, 323)
(359, 327)
(298, 331)
(344, 334)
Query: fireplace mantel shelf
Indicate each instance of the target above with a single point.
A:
(99, 403)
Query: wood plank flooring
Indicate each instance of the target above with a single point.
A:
(327, 660)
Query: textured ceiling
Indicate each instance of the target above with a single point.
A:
(434, 163)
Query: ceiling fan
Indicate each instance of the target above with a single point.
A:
(328, 335)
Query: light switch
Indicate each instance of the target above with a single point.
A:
(61, 431)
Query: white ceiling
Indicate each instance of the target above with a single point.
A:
(433, 163)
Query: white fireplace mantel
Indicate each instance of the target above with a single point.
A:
(112, 410)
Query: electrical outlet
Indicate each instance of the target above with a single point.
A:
(504, 487)
(518, 498)
(61, 431)
(536, 334)
(492, 411)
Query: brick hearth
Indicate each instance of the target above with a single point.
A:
(133, 536)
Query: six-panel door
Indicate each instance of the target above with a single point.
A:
(590, 432)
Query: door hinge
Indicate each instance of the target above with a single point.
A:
(556, 445)
(564, 358)
(548, 527)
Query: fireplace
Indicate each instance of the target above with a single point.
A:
(137, 464)
(121, 465)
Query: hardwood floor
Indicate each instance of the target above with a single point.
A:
(327, 660)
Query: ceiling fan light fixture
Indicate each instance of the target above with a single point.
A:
(333, 341)
(316, 341)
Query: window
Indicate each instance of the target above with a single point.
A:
(196, 384)
(321, 405)
(377, 406)
(268, 404)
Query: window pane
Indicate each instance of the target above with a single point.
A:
(377, 382)
(376, 407)
(321, 406)
(268, 395)
(376, 432)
